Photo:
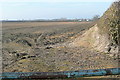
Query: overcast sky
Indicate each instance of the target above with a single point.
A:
(49, 9)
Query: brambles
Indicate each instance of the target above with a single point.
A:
(114, 31)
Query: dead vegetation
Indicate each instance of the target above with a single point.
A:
(103, 36)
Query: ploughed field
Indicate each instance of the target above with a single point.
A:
(43, 47)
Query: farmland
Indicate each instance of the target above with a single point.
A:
(44, 47)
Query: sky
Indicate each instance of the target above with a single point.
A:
(51, 9)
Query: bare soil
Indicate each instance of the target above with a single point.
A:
(44, 47)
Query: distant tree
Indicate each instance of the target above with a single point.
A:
(96, 17)
(63, 19)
